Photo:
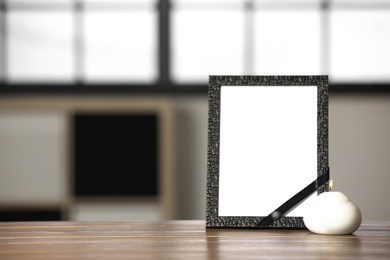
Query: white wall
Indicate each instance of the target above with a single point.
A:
(192, 117)
(360, 151)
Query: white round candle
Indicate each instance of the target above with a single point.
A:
(333, 214)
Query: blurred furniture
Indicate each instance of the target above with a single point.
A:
(39, 171)
(184, 240)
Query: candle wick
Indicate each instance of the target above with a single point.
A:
(330, 185)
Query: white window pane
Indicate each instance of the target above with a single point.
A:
(288, 42)
(115, 2)
(39, 4)
(205, 1)
(358, 3)
(2, 54)
(359, 45)
(287, 3)
(37, 1)
(40, 46)
(121, 45)
(196, 4)
(206, 42)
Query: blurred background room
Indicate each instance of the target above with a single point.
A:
(103, 103)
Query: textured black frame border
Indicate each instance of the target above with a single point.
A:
(213, 220)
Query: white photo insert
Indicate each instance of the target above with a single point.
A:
(268, 147)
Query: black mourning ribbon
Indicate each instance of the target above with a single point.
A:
(295, 200)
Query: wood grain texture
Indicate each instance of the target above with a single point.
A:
(184, 240)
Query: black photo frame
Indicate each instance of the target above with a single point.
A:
(234, 199)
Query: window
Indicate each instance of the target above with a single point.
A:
(40, 47)
(288, 42)
(174, 45)
(359, 44)
(207, 40)
(39, 43)
(120, 42)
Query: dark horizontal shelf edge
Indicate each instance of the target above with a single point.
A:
(359, 88)
(100, 88)
(189, 89)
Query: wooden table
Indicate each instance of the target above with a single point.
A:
(184, 240)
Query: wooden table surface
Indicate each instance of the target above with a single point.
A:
(184, 240)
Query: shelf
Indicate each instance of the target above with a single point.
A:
(59, 113)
